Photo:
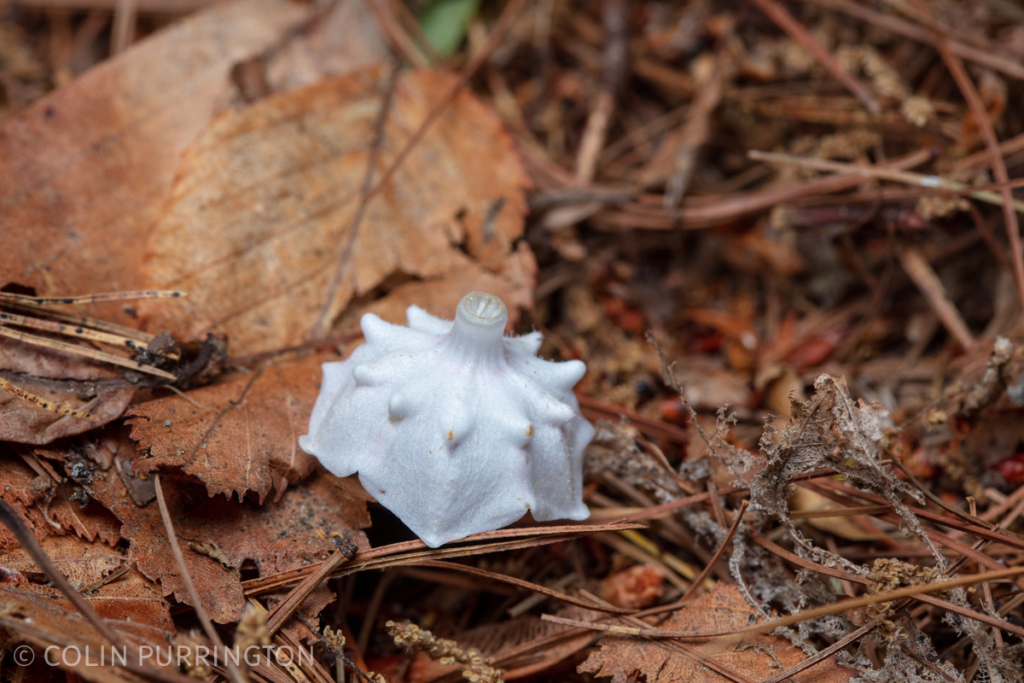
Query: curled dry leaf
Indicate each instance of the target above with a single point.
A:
(262, 216)
(722, 609)
(235, 437)
(218, 535)
(57, 378)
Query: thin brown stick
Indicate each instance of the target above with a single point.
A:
(856, 578)
(1004, 64)
(81, 321)
(655, 510)
(503, 24)
(986, 589)
(694, 134)
(84, 351)
(344, 255)
(698, 580)
(595, 410)
(400, 39)
(771, 625)
(186, 577)
(699, 216)
(984, 121)
(848, 639)
(44, 403)
(13, 522)
(932, 182)
(411, 552)
(526, 585)
(123, 31)
(615, 62)
(65, 329)
(1007, 147)
(801, 36)
(922, 274)
(690, 653)
(840, 512)
(93, 298)
(992, 534)
(286, 608)
(970, 518)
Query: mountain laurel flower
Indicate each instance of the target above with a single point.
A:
(451, 425)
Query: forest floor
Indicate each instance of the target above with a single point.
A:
(784, 236)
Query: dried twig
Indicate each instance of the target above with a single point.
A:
(984, 121)
(186, 577)
(928, 282)
(798, 33)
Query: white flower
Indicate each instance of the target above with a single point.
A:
(454, 427)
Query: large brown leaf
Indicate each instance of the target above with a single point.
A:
(244, 437)
(217, 535)
(721, 609)
(85, 171)
(130, 600)
(263, 212)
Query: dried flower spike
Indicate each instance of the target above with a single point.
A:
(453, 426)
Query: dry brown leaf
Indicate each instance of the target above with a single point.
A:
(346, 38)
(43, 622)
(218, 535)
(58, 378)
(48, 508)
(24, 422)
(130, 599)
(85, 172)
(263, 209)
(243, 438)
(439, 297)
(721, 609)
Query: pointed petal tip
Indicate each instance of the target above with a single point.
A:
(422, 321)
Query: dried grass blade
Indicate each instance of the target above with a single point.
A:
(784, 20)
(40, 402)
(284, 609)
(699, 580)
(82, 321)
(197, 603)
(379, 557)
(92, 298)
(84, 351)
(536, 588)
(79, 331)
(881, 172)
(764, 627)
